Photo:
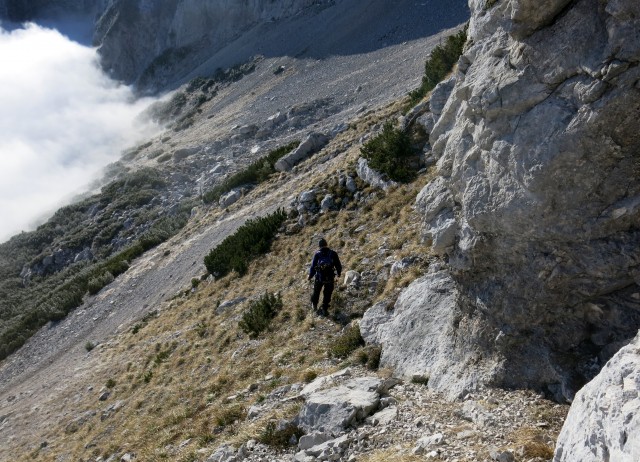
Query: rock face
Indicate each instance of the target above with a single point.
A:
(604, 420)
(312, 144)
(536, 208)
(163, 35)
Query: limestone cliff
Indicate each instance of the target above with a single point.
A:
(536, 210)
(140, 40)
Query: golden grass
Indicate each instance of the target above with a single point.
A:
(534, 442)
(183, 374)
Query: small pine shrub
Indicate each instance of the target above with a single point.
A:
(283, 438)
(110, 383)
(89, 346)
(391, 153)
(248, 242)
(96, 284)
(260, 313)
(147, 376)
(347, 343)
(255, 173)
(440, 62)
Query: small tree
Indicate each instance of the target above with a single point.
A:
(390, 153)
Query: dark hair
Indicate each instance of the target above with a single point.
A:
(322, 243)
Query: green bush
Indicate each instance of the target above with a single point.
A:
(255, 173)
(390, 153)
(347, 343)
(250, 241)
(440, 62)
(260, 313)
(96, 284)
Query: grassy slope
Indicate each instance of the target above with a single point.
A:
(184, 375)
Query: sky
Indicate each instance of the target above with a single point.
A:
(61, 121)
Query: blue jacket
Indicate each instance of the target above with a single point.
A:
(337, 266)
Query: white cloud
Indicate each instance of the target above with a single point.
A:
(61, 121)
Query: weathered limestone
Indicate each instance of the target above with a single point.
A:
(372, 177)
(307, 148)
(604, 419)
(536, 208)
(335, 409)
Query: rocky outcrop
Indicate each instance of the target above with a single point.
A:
(312, 144)
(149, 40)
(603, 422)
(20, 11)
(536, 208)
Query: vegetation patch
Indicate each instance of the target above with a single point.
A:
(347, 343)
(250, 241)
(280, 438)
(255, 173)
(391, 153)
(440, 62)
(260, 313)
(94, 223)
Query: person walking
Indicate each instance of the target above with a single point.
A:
(324, 266)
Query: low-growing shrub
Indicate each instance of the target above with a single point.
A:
(309, 376)
(228, 415)
(248, 242)
(280, 438)
(260, 313)
(96, 284)
(89, 346)
(370, 356)
(347, 343)
(390, 153)
(255, 173)
(439, 64)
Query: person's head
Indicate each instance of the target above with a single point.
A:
(322, 244)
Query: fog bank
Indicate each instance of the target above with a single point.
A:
(61, 121)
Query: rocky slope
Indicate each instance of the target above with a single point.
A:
(535, 212)
(159, 44)
(530, 217)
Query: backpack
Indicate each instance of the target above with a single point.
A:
(324, 265)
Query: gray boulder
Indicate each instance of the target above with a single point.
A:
(372, 177)
(604, 419)
(351, 278)
(336, 409)
(350, 184)
(307, 148)
(327, 203)
(225, 453)
(230, 198)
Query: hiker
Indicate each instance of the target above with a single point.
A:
(324, 267)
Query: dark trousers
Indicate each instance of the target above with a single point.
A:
(318, 286)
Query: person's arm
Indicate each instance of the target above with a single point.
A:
(312, 269)
(336, 263)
